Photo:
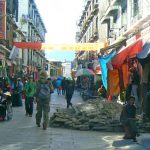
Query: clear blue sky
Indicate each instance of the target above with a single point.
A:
(60, 18)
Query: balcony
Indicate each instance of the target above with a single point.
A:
(113, 10)
(113, 6)
(122, 30)
(138, 25)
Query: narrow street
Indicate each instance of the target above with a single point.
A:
(21, 133)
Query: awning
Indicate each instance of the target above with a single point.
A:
(8, 62)
(127, 52)
(2, 56)
(114, 45)
(4, 48)
(145, 51)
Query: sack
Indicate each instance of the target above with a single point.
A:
(44, 91)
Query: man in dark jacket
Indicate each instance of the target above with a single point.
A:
(69, 92)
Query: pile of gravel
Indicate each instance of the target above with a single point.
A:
(97, 114)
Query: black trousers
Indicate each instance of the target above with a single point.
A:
(2, 112)
(29, 105)
(68, 98)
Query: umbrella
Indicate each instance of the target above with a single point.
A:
(84, 72)
(60, 77)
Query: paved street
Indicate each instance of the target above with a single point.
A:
(21, 133)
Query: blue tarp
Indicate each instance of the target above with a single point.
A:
(103, 63)
(145, 51)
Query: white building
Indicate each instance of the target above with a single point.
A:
(66, 69)
(31, 24)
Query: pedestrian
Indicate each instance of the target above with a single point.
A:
(58, 86)
(128, 119)
(101, 91)
(16, 92)
(69, 92)
(29, 91)
(63, 85)
(135, 87)
(43, 90)
(20, 90)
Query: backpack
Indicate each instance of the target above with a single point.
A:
(44, 91)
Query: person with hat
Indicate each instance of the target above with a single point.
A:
(43, 95)
(128, 119)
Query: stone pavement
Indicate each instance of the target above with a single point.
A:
(21, 133)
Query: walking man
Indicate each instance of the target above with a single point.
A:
(69, 92)
(29, 91)
(43, 90)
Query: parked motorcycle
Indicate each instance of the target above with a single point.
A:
(6, 111)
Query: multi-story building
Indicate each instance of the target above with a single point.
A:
(31, 24)
(8, 32)
(54, 68)
(88, 27)
(20, 21)
(112, 22)
(126, 20)
(123, 19)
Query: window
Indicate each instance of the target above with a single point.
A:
(135, 8)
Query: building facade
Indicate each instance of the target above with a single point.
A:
(110, 22)
(20, 22)
(88, 27)
(123, 19)
(31, 24)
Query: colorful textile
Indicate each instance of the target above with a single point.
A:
(125, 53)
(103, 64)
(113, 82)
(125, 73)
(145, 51)
(118, 80)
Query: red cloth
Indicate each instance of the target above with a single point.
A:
(110, 98)
(29, 45)
(128, 52)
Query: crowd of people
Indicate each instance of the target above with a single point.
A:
(27, 91)
(40, 91)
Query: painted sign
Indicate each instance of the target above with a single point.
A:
(2, 19)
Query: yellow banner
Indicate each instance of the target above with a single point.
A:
(77, 47)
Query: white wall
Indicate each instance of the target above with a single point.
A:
(66, 69)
